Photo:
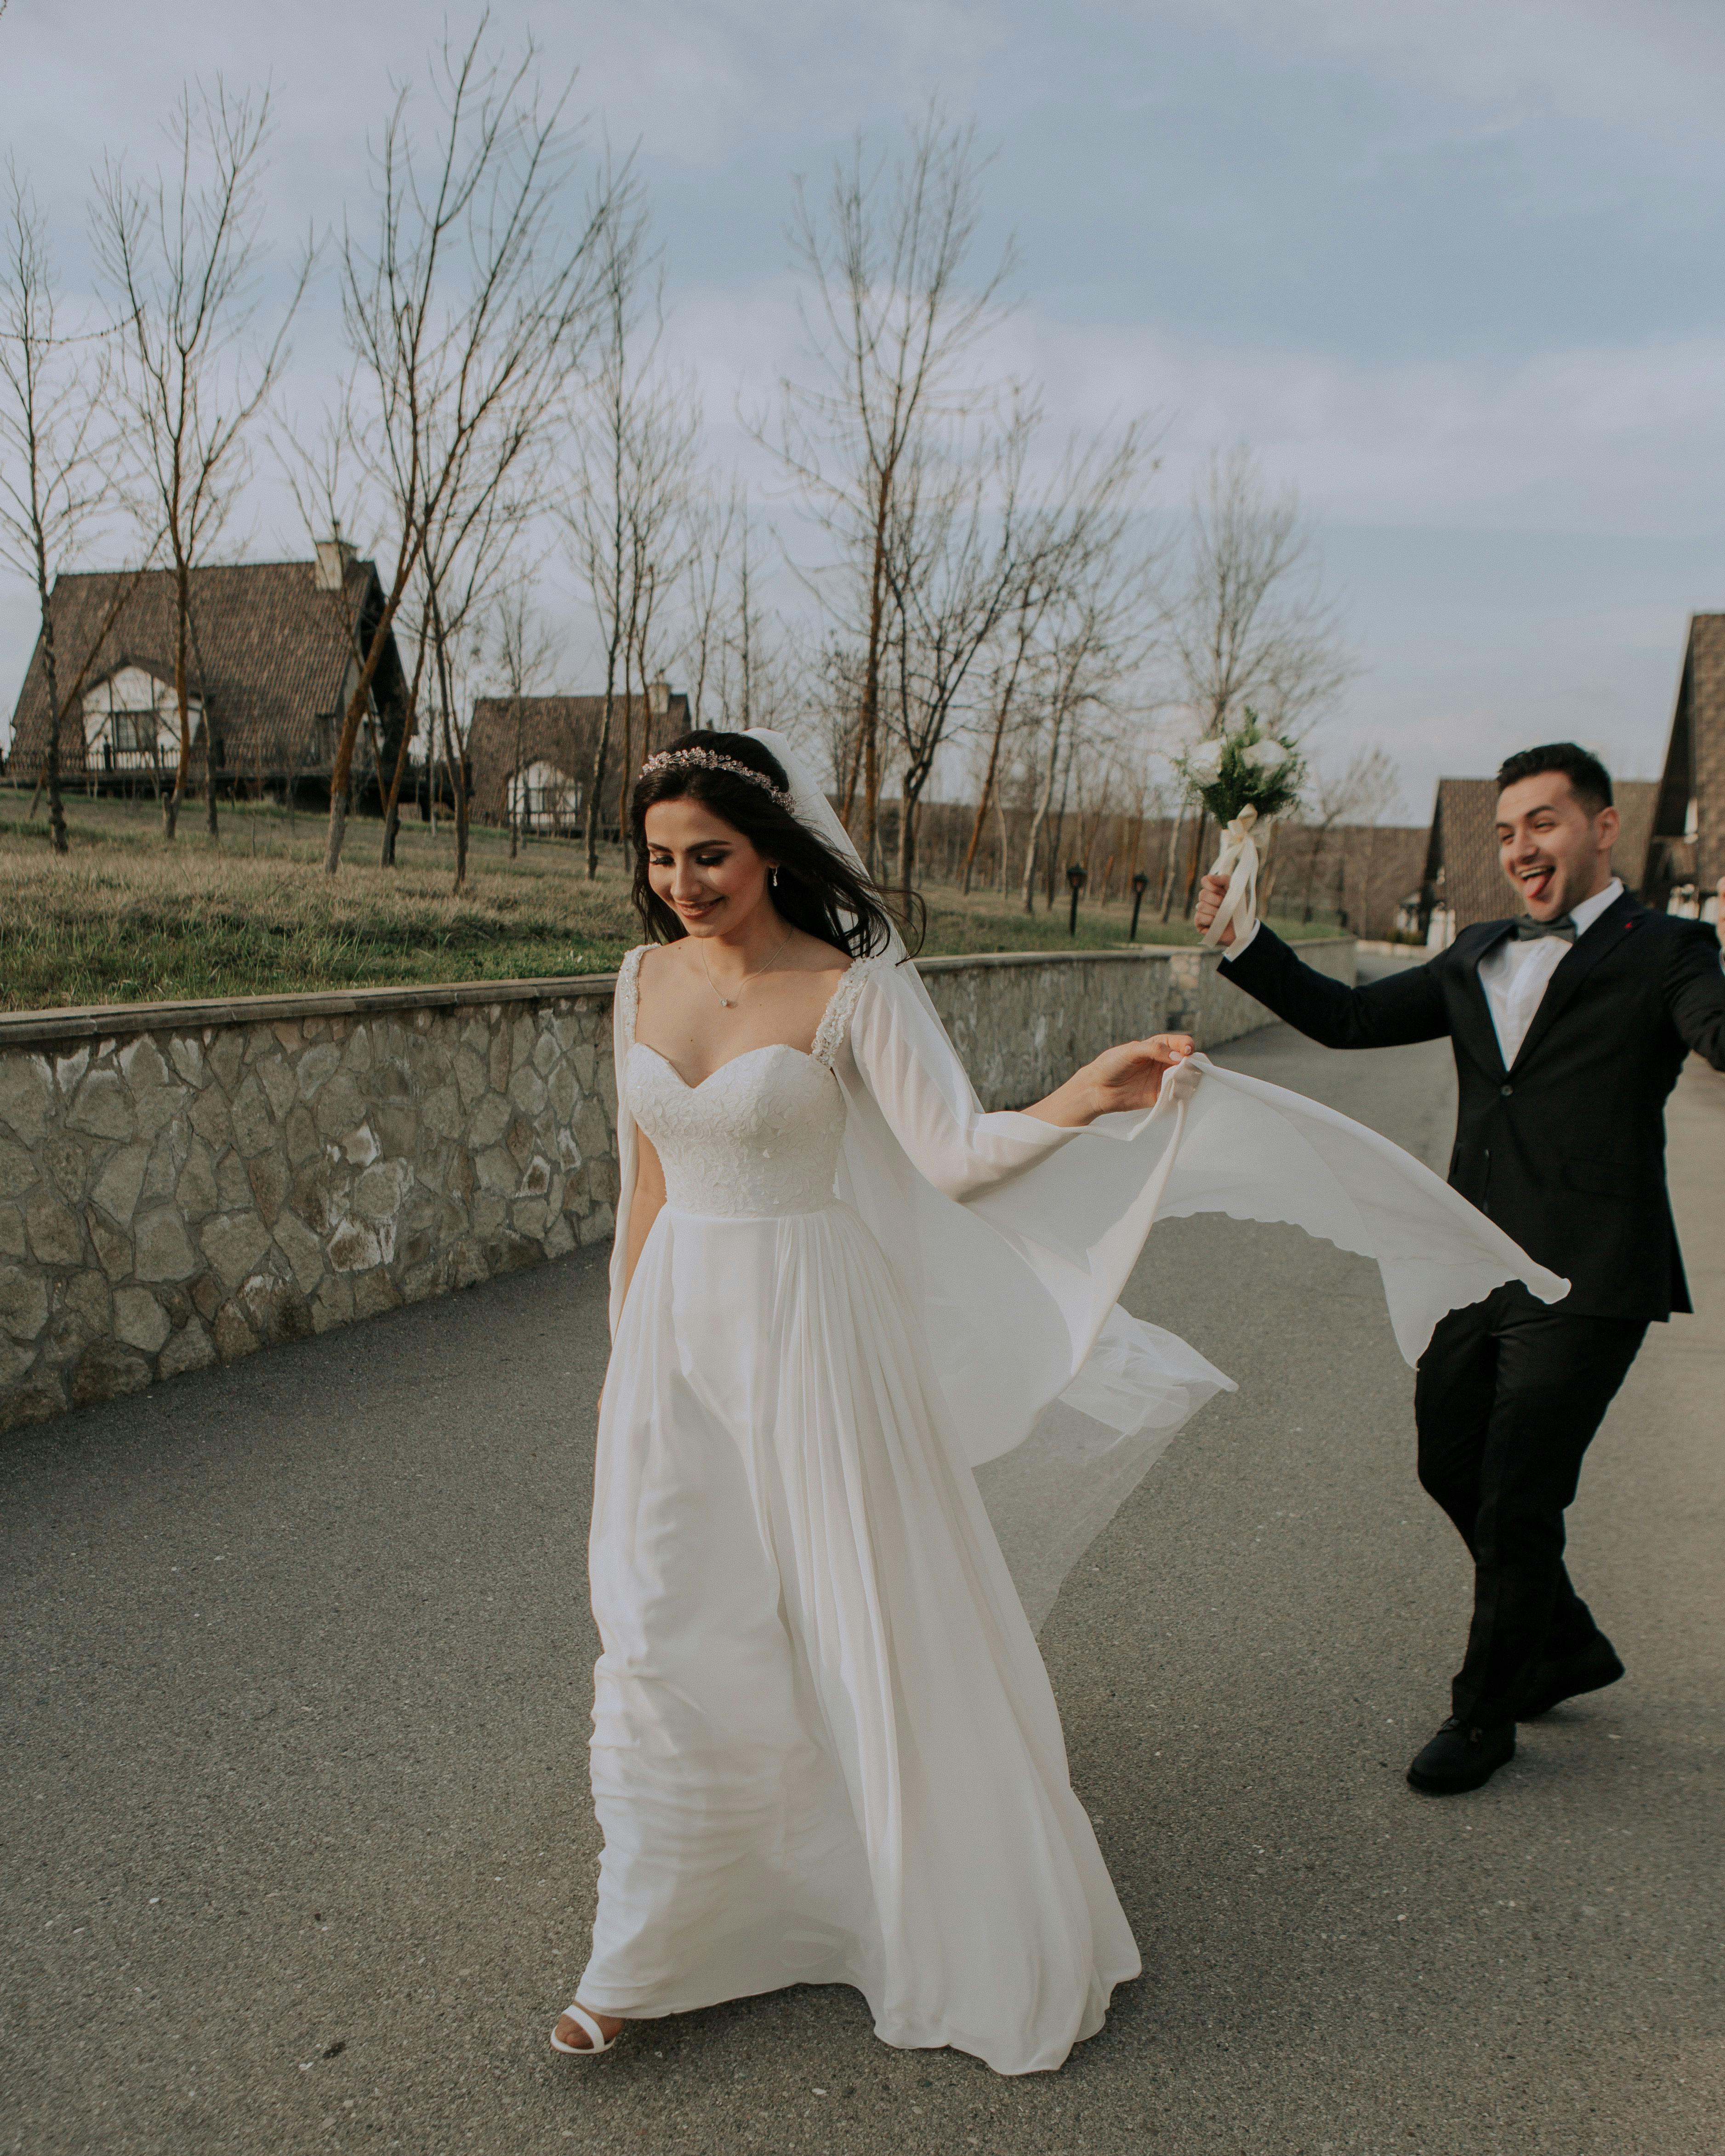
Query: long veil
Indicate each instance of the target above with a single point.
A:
(1059, 1400)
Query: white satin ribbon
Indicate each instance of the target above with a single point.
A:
(1238, 861)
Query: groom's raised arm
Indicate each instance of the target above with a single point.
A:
(1403, 1007)
(1695, 990)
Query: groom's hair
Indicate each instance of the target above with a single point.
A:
(1589, 781)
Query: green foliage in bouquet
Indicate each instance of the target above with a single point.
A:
(1250, 767)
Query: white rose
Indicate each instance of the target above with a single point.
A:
(1267, 755)
(1204, 762)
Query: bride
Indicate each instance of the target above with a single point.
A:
(824, 1747)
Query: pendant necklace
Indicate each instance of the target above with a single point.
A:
(730, 1002)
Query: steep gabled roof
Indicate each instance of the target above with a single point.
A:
(1693, 784)
(1363, 871)
(1461, 869)
(269, 653)
(1637, 807)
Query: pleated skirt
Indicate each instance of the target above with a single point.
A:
(826, 1749)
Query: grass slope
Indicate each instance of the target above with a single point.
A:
(126, 918)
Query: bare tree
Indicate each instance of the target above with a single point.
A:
(733, 650)
(467, 313)
(597, 503)
(179, 257)
(744, 644)
(53, 457)
(626, 514)
(404, 742)
(835, 676)
(758, 677)
(1365, 790)
(1087, 516)
(893, 311)
(467, 563)
(712, 526)
(526, 650)
(952, 566)
(1099, 634)
(1078, 644)
(1252, 624)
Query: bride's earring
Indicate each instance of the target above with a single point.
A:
(772, 877)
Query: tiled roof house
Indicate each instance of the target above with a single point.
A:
(1362, 873)
(1687, 852)
(271, 663)
(549, 766)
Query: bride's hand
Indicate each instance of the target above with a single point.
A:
(1130, 1076)
(1126, 1078)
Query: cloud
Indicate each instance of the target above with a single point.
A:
(1443, 267)
(1609, 439)
(1594, 60)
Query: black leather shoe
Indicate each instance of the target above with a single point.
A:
(1461, 1758)
(1594, 1667)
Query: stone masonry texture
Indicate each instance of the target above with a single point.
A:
(171, 1198)
(185, 1185)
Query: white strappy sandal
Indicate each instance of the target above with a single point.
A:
(596, 2039)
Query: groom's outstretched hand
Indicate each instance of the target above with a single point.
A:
(1211, 893)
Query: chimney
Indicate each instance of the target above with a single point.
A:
(333, 556)
(658, 698)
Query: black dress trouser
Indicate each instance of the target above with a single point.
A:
(1508, 1396)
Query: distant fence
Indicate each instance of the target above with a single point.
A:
(186, 1184)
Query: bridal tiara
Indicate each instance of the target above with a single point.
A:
(711, 760)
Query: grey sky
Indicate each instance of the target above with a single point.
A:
(1448, 264)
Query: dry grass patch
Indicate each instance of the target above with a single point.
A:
(127, 918)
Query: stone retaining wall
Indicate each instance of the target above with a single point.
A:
(184, 1185)
(181, 1184)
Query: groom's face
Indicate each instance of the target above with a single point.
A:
(1555, 850)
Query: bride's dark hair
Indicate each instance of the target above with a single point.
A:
(815, 891)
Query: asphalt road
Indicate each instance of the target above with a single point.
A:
(299, 1854)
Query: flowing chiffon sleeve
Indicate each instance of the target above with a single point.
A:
(1015, 1239)
(1072, 1208)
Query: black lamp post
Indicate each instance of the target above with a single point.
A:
(1141, 883)
(1076, 878)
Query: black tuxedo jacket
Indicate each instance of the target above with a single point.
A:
(1565, 1150)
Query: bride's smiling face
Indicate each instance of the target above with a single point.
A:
(703, 867)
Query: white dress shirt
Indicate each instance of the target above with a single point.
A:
(1515, 973)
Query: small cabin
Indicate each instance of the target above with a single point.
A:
(272, 659)
(533, 756)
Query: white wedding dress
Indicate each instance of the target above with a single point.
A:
(824, 1747)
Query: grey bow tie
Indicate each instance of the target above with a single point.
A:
(1527, 928)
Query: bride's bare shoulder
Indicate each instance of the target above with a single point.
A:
(821, 961)
(662, 961)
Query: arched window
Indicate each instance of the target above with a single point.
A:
(131, 723)
(542, 798)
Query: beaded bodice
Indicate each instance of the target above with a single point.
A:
(759, 1135)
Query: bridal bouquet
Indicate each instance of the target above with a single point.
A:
(1245, 779)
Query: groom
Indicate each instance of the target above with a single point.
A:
(1569, 1023)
